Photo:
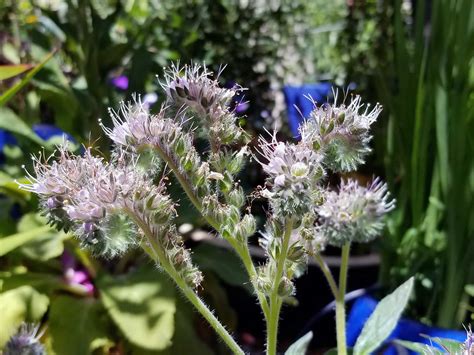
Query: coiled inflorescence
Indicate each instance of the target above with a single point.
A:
(354, 213)
(341, 132)
(294, 171)
(194, 87)
(107, 205)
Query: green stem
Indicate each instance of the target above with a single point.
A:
(242, 250)
(327, 274)
(275, 301)
(157, 254)
(340, 306)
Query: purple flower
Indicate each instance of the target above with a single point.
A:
(241, 107)
(120, 82)
(75, 275)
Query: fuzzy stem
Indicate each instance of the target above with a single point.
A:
(327, 274)
(340, 306)
(275, 301)
(242, 250)
(156, 253)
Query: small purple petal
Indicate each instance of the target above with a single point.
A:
(242, 107)
(77, 277)
(120, 82)
(149, 99)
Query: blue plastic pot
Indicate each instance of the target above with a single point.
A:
(406, 329)
(298, 106)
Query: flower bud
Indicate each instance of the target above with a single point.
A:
(236, 197)
(285, 287)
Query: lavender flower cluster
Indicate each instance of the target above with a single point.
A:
(111, 206)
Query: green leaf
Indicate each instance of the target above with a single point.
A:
(185, 339)
(300, 346)
(142, 305)
(223, 262)
(9, 71)
(418, 347)
(5, 97)
(7, 244)
(469, 289)
(451, 346)
(19, 305)
(44, 247)
(77, 325)
(10, 122)
(42, 282)
(384, 319)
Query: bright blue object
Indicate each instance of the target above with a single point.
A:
(298, 106)
(405, 330)
(47, 131)
(6, 138)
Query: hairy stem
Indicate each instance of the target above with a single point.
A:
(156, 253)
(275, 301)
(327, 274)
(340, 306)
(242, 250)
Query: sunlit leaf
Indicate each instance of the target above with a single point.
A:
(9, 71)
(301, 345)
(9, 121)
(142, 305)
(383, 320)
(77, 325)
(5, 97)
(19, 305)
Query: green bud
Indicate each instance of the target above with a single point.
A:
(236, 197)
(341, 117)
(234, 214)
(295, 253)
(180, 146)
(225, 185)
(286, 287)
(330, 127)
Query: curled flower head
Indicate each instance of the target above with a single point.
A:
(88, 196)
(294, 171)
(194, 88)
(341, 132)
(25, 342)
(354, 213)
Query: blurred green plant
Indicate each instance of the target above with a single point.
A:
(426, 80)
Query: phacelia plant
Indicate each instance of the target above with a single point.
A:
(113, 205)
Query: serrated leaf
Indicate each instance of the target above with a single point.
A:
(300, 346)
(9, 71)
(142, 305)
(383, 320)
(77, 325)
(19, 305)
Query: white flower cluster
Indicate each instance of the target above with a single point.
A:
(341, 132)
(354, 213)
(294, 172)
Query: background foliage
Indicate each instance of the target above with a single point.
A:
(409, 55)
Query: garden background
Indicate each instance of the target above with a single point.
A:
(63, 63)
